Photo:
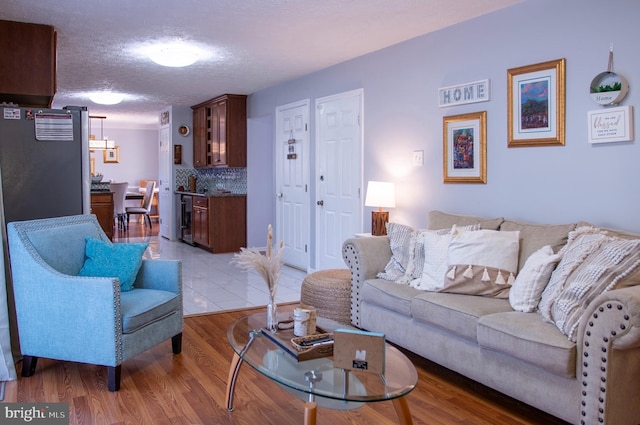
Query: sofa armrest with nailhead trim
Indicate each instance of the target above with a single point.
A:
(365, 257)
(609, 358)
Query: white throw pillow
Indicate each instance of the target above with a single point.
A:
(527, 289)
(435, 248)
(482, 262)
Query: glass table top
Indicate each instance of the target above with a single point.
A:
(318, 376)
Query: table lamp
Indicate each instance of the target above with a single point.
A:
(381, 195)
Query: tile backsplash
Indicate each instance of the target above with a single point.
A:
(210, 179)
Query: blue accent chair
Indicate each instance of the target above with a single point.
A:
(64, 316)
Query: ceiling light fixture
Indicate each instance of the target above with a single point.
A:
(103, 142)
(175, 54)
(106, 98)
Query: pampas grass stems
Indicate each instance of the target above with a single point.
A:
(267, 266)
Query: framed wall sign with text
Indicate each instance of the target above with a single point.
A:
(611, 125)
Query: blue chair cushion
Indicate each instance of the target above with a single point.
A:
(141, 307)
(121, 260)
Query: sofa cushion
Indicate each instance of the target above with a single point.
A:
(388, 294)
(526, 336)
(141, 307)
(526, 291)
(581, 242)
(456, 313)
(441, 220)
(616, 264)
(534, 236)
(483, 262)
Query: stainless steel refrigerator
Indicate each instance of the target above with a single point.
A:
(44, 161)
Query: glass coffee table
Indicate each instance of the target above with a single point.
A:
(317, 381)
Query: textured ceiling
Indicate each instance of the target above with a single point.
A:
(258, 43)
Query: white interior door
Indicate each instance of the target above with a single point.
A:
(338, 175)
(165, 196)
(292, 182)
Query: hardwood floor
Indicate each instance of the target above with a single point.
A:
(160, 388)
(137, 229)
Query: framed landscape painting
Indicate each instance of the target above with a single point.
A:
(465, 148)
(536, 104)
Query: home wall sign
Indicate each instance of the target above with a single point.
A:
(460, 94)
(611, 125)
(609, 88)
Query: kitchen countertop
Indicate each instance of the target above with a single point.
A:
(214, 194)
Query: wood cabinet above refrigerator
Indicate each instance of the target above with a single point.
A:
(27, 64)
(220, 132)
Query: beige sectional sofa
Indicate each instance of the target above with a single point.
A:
(586, 373)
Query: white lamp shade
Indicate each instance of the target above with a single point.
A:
(381, 195)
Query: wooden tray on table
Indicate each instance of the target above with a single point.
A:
(283, 338)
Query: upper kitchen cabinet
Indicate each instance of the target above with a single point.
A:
(220, 132)
(27, 64)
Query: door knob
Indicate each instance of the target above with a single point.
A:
(320, 202)
(279, 195)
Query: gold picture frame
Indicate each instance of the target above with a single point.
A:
(465, 148)
(536, 104)
(112, 155)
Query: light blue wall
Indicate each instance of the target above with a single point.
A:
(557, 184)
(260, 180)
(138, 155)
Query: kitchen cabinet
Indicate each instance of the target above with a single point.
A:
(200, 136)
(200, 221)
(102, 207)
(219, 223)
(27, 64)
(220, 132)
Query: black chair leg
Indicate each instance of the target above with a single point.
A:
(149, 220)
(29, 365)
(176, 343)
(113, 377)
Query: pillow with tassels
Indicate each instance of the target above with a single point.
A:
(482, 262)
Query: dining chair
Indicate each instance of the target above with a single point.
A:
(119, 194)
(145, 209)
(154, 201)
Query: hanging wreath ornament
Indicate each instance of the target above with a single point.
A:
(609, 88)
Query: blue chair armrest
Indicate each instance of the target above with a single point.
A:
(164, 275)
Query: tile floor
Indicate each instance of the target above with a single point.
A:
(211, 283)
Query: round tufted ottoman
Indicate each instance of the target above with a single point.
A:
(329, 291)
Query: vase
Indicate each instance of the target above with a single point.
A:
(272, 315)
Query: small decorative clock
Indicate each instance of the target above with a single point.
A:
(184, 130)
